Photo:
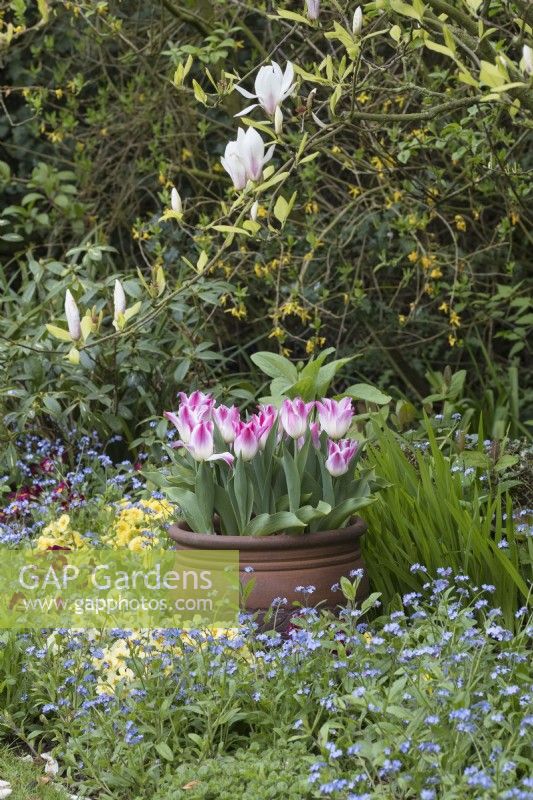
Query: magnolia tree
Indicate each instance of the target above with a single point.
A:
(316, 103)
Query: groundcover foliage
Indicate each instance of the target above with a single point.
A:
(433, 700)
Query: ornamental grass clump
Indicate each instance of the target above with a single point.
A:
(278, 470)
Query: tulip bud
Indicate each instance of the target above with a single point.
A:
(357, 23)
(253, 211)
(313, 8)
(527, 56)
(278, 120)
(119, 299)
(73, 317)
(175, 201)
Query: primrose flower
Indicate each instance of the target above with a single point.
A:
(272, 86)
(73, 317)
(227, 419)
(201, 444)
(245, 157)
(527, 56)
(340, 455)
(313, 8)
(335, 417)
(119, 300)
(293, 417)
(247, 441)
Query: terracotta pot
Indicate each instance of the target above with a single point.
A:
(284, 561)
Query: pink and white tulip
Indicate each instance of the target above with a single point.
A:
(197, 401)
(315, 434)
(293, 417)
(272, 87)
(335, 417)
(340, 454)
(247, 441)
(265, 419)
(227, 420)
(202, 446)
(185, 420)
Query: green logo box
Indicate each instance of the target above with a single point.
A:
(107, 588)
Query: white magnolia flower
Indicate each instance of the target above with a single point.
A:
(119, 299)
(357, 23)
(271, 86)
(313, 8)
(175, 201)
(73, 317)
(245, 158)
(527, 58)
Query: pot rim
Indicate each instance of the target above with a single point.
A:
(276, 541)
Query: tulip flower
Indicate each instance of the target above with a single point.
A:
(265, 419)
(119, 300)
(315, 434)
(293, 417)
(272, 86)
(197, 400)
(73, 317)
(335, 417)
(247, 441)
(185, 420)
(201, 444)
(527, 56)
(227, 420)
(340, 455)
(357, 22)
(313, 8)
(175, 201)
(245, 158)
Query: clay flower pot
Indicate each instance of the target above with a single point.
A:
(283, 562)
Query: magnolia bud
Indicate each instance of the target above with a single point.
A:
(73, 317)
(175, 201)
(119, 299)
(527, 55)
(313, 8)
(278, 120)
(253, 211)
(357, 22)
